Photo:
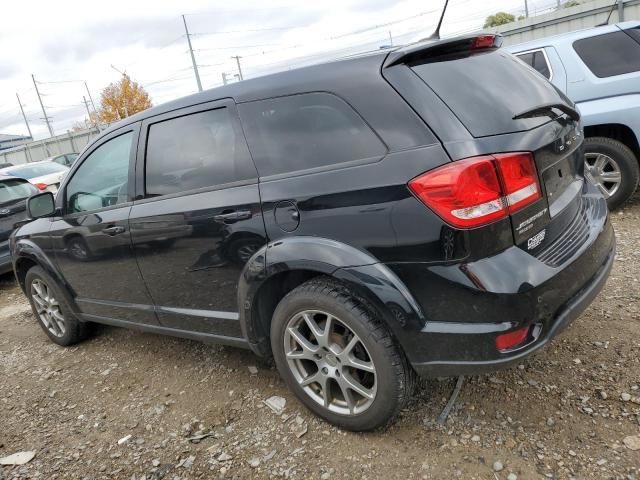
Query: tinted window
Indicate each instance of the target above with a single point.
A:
(634, 33)
(312, 130)
(609, 54)
(102, 179)
(35, 170)
(536, 60)
(195, 151)
(486, 90)
(15, 189)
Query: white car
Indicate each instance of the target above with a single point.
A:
(45, 175)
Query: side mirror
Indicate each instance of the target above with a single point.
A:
(41, 205)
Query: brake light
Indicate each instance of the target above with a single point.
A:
(476, 191)
(41, 186)
(507, 341)
(483, 41)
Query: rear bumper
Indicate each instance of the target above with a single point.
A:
(468, 305)
(571, 310)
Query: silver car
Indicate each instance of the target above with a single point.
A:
(45, 175)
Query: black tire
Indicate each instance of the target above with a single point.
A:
(75, 331)
(627, 164)
(395, 379)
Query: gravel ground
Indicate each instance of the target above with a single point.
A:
(130, 405)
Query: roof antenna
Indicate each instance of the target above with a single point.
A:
(436, 35)
(608, 16)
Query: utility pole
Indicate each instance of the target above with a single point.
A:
(237, 57)
(86, 105)
(193, 57)
(526, 9)
(390, 39)
(44, 112)
(224, 78)
(620, 10)
(90, 98)
(24, 116)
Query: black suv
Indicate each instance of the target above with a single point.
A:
(422, 210)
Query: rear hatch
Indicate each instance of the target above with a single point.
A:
(507, 107)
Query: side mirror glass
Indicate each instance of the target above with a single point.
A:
(41, 205)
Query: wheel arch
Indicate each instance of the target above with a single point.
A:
(281, 266)
(616, 131)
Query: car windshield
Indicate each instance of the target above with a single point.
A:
(35, 170)
(15, 189)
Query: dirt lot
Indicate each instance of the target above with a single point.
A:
(563, 414)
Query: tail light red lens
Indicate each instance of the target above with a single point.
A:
(483, 41)
(507, 341)
(41, 186)
(476, 191)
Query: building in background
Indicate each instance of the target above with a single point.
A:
(10, 141)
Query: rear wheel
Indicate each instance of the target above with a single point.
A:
(338, 357)
(613, 168)
(51, 309)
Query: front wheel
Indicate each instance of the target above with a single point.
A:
(613, 167)
(51, 309)
(338, 356)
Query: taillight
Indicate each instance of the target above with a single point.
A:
(473, 192)
(41, 186)
(485, 41)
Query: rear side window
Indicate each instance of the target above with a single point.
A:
(537, 60)
(195, 151)
(610, 54)
(301, 132)
(15, 189)
(486, 90)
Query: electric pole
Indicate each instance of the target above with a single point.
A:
(44, 112)
(237, 57)
(90, 98)
(24, 116)
(224, 78)
(86, 105)
(526, 9)
(390, 39)
(193, 57)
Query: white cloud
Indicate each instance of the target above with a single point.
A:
(76, 40)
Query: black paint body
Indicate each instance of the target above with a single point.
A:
(212, 264)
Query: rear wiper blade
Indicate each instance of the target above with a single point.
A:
(547, 109)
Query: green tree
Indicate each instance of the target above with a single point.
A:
(571, 3)
(499, 18)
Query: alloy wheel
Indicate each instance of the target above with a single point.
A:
(604, 171)
(330, 362)
(48, 308)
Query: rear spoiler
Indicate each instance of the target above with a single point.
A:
(437, 50)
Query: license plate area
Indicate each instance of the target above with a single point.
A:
(561, 183)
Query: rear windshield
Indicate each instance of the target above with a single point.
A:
(486, 90)
(15, 189)
(35, 170)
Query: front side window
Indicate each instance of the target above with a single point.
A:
(195, 151)
(537, 60)
(610, 54)
(103, 178)
(300, 132)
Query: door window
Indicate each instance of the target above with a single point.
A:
(195, 151)
(103, 178)
(537, 60)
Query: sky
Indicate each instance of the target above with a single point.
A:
(67, 42)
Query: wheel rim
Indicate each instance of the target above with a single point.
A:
(605, 173)
(246, 252)
(77, 249)
(48, 308)
(330, 362)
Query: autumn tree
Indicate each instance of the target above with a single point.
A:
(497, 19)
(122, 99)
